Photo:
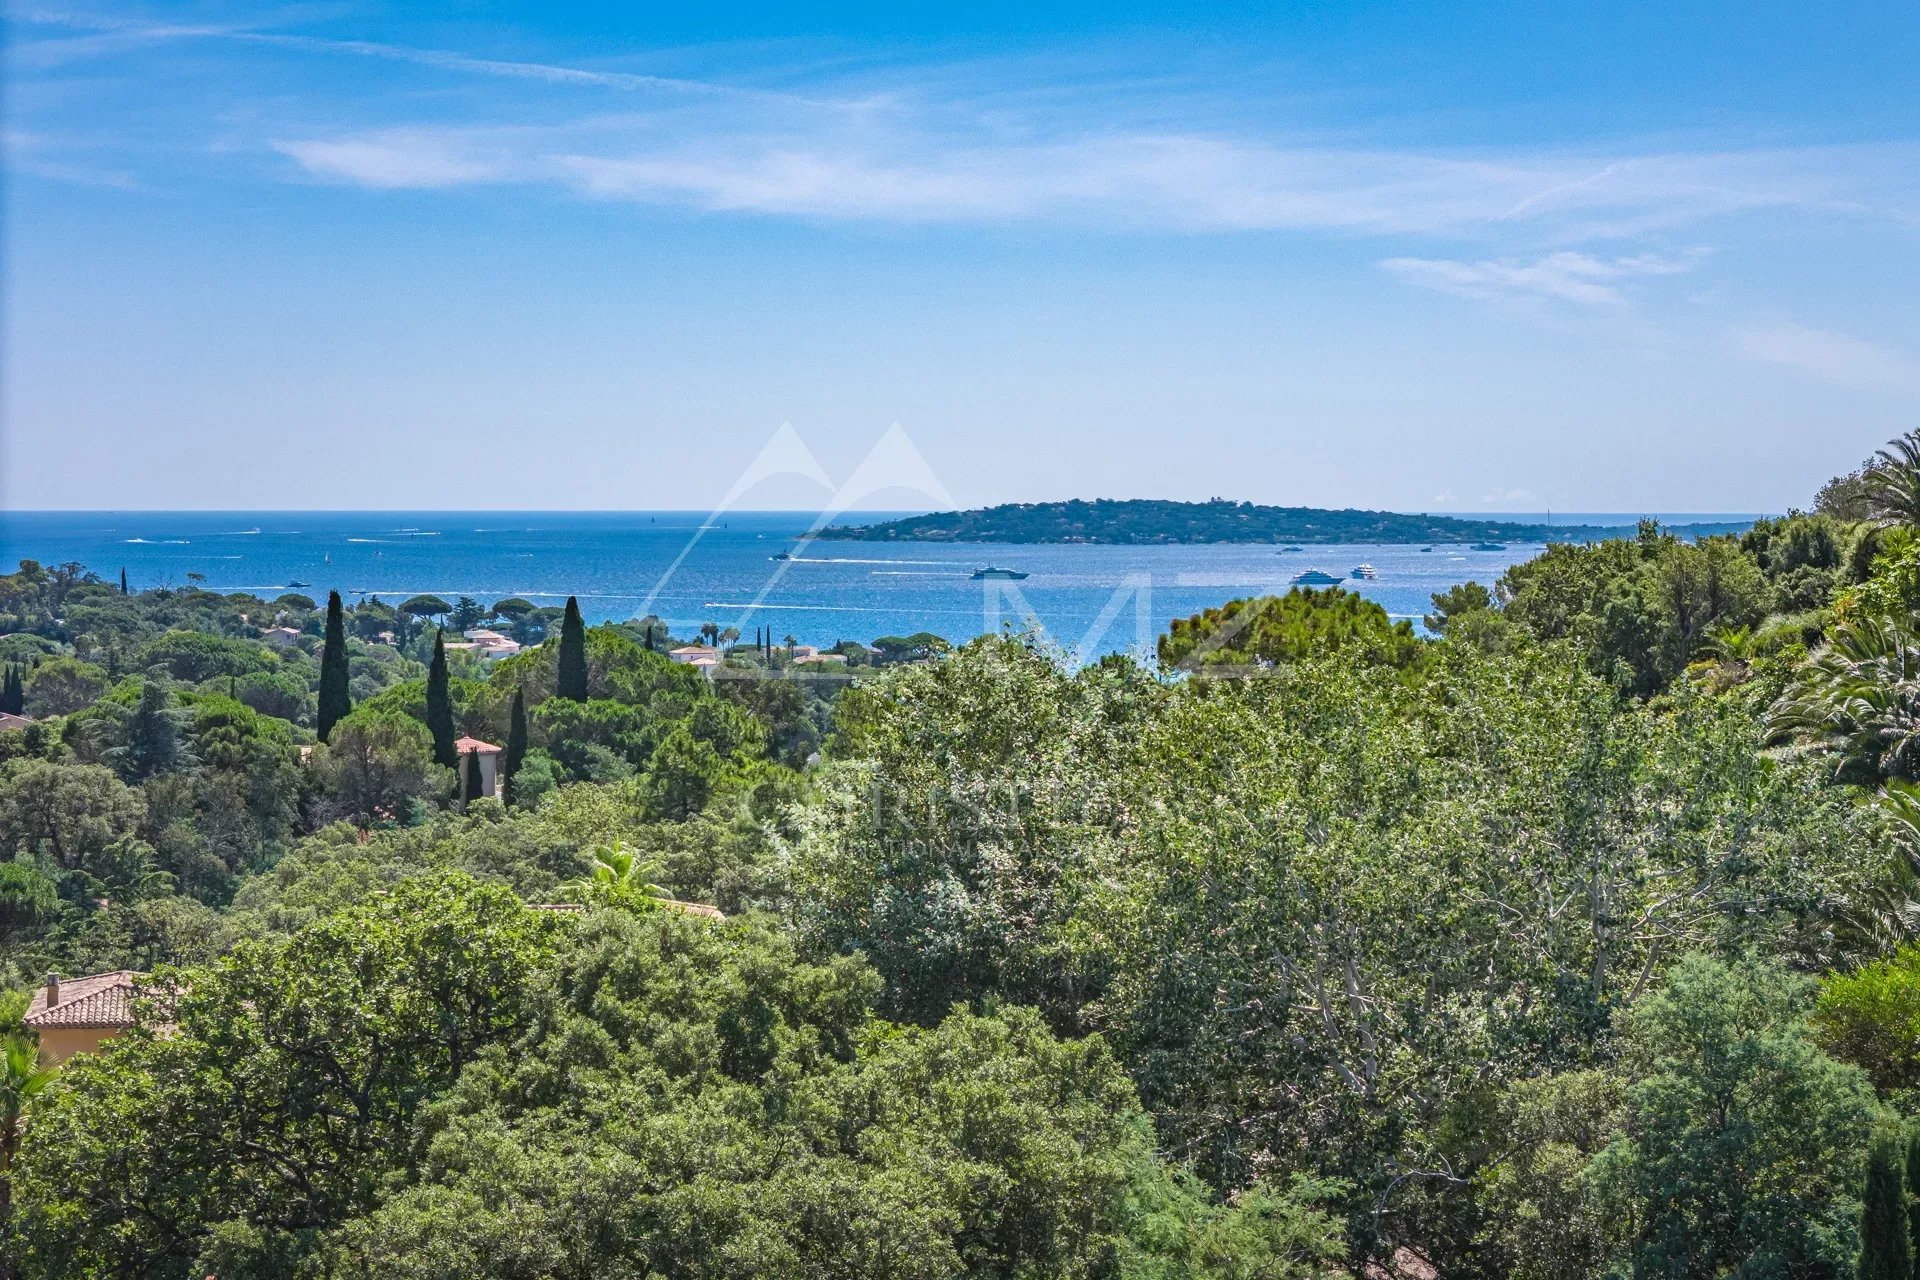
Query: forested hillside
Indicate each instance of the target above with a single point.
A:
(1154, 520)
(1576, 938)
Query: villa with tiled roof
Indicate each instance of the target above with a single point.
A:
(75, 1015)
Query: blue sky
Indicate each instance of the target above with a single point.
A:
(1432, 257)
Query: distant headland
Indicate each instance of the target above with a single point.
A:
(1151, 521)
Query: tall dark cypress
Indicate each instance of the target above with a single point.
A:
(516, 743)
(123, 581)
(1913, 1202)
(440, 705)
(571, 681)
(336, 700)
(471, 776)
(1886, 1248)
(13, 693)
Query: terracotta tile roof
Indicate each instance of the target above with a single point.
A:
(464, 745)
(102, 1000)
(672, 904)
(8, 720)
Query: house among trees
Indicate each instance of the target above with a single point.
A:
(282, 637)
(490, 645)
(704, 910)
(8, 720)
(485, 756)
(77, 1015)
(704, 658)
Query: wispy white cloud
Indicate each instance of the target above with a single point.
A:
(886, 146)
(109, 35)
(889, 166)
(1831, 357)
(402, 158)
(1566, 277)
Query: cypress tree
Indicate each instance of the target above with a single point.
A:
(516, 742)
(1913, 1202)
(1886, 1247)
(13, 694)
(335, 698)
(471, 791)
(440, 705)
(571, 681)
(123, 581)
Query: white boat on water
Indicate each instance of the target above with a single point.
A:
(1367, 572)
(1315, 578)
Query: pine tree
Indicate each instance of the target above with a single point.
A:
(1886, 1247)
(516, 742)
(336, 700)
(471, 776)
(440, 705)
(571, 681)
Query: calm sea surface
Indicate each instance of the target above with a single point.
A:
(1087, 599)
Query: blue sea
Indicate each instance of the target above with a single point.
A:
(690, 568)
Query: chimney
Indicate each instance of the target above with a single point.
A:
(53, 990)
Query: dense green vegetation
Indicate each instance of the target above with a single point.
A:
(1578, 938)
(1148, 520)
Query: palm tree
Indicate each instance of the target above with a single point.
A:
(1892, 484)
(709, 631)
(23, 1081)
(619, 879)
(1859, 698)
(1731, 644)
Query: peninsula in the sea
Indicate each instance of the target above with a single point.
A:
(1150, 520)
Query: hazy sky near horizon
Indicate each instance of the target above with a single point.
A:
(1461, 257)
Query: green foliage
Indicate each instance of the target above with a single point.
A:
(1744, 1145)
(439, 710)
(1886, 1249)
(570, 678)
(425, 606)
(1145, 520)
(1384, 954)
(619, 878)
(728, 1110)
(375, 764)
(515, 753)
(1858, 700)
(1266, 631)
(64, 813)
(1871, 1018)
(918, 647)
(273, 693)
(1890, 489)
(472, 779)
(296, 1066)
(1456, 604)
(1541, 1217)
(24, 1082)
(194, 656)
(62, 686)
(336, 700)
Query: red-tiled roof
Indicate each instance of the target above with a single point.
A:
(464, 745)
(102, 1000)
(672, 904)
